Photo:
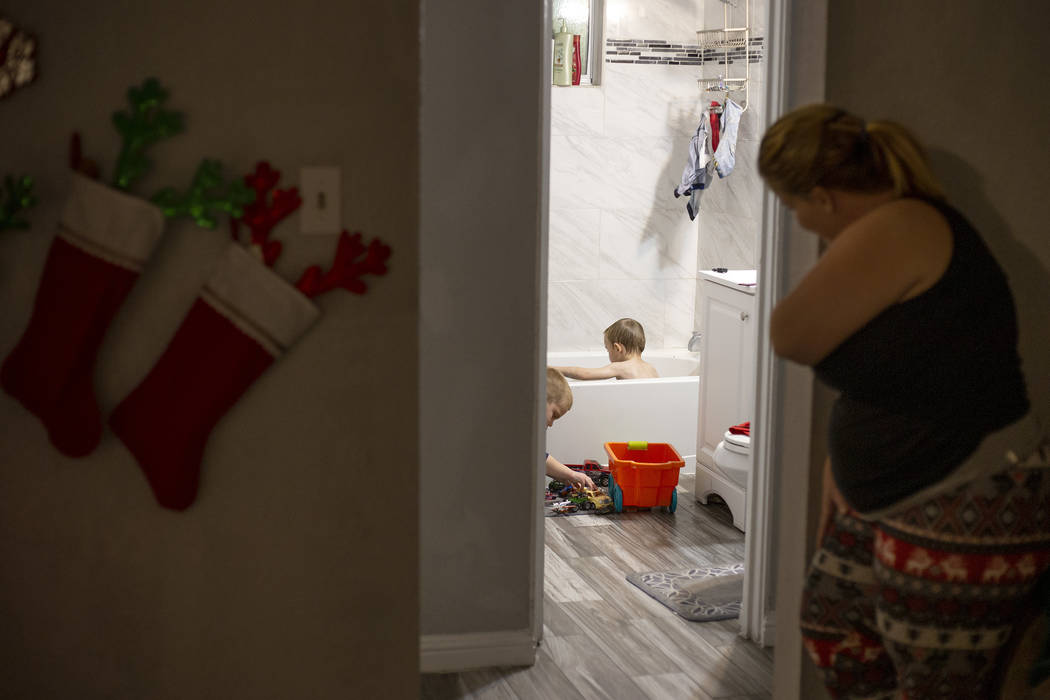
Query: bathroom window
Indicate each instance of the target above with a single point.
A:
(583, 17)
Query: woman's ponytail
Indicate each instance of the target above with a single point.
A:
(821, 145)
(904, 160)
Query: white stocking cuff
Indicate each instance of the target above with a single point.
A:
(113, 225)
(258, 301)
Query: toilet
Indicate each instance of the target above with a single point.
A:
(733, 457)
(724, 473)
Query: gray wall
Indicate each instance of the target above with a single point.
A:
(294, 574)
(481, 243)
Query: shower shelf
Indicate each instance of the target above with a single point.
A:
(734, 43)
(730, 38)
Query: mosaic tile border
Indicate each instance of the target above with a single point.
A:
(660, 51)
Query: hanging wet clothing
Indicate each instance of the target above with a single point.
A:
(725, 150)
(711, 149)
(697, 175)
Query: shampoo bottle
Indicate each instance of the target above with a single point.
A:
(563, 56)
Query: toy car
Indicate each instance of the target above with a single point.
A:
(599, 474)
(564, 507)
(592, 499)
(558, 488)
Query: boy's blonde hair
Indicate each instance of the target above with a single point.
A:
(558, 391)
(628, 333)
(823, 145)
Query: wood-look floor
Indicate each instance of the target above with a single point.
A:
(605, 638)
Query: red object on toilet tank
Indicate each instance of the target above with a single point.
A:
(741, 429)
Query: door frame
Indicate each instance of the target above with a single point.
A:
(778, 491)
(781, 499)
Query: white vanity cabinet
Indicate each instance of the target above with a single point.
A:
(727, 360)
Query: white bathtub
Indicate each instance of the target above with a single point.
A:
(620, 410)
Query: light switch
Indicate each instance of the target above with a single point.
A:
(322, 193)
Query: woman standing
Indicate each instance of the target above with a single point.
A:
(936, 507)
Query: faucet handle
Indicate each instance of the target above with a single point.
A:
(694, 342)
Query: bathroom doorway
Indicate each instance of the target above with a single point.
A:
(620, 242)
(628, 244)
(451, 306)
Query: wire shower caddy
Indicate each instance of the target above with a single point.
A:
(732, 42)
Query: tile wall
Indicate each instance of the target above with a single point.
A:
(621, 244)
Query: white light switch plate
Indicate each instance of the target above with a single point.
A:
(321, 190)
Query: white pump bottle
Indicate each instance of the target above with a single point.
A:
(563, 56)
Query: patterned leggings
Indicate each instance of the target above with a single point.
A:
(916, 605)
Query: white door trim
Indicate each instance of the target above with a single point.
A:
(756, 617)
(445, 653)
(538, 526)
(796, 60)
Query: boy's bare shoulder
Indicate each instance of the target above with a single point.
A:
(634, 369)
(646, 370)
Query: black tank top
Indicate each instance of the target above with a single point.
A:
(924, 381)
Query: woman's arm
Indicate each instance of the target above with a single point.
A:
(891, 254)
(606, 372)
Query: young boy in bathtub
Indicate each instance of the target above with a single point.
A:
(624, 341)
(559, 401)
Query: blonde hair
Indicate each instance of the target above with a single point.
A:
(558, 391)
(628, 333)
(821, 145)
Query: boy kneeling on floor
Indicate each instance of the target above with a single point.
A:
(559, 401)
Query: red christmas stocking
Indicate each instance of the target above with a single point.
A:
(245, 317)
(104, 238)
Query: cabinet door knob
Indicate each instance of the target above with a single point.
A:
(744, 315)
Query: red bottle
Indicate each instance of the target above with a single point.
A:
(715, 122)
(575, 59)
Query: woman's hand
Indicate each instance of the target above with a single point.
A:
(831, 502)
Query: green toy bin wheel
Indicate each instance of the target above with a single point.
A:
(617, 495)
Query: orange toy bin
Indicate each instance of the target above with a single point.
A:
(644, 474)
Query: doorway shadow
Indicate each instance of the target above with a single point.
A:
(1028, 277)
(681, 124)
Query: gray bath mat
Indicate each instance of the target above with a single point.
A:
(701, 594)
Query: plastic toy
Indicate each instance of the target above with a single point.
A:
(599, 474)
(592, 500)
(577, 498)
(559, 489)
(644, 474)
(564, 507)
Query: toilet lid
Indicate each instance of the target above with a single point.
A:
(738, 441)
